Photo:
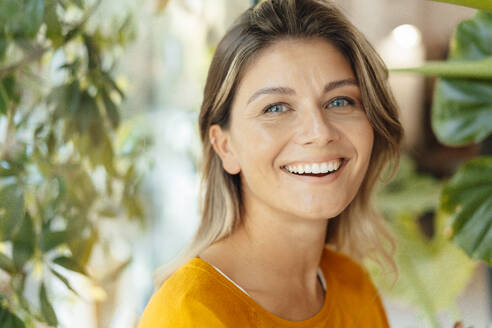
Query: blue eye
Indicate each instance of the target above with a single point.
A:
(341, 102)
(338, 103)
(276, 108)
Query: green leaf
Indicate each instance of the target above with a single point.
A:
(468, 198)
(6, 263)
(8, 93)
(33, 16)
(462, 109)
(70, 97)
(81, 190)
(421, 266)
(6, 172)
(18, 283)
(64, 280)
(87, 116)
(53, 25)
(3, 44)
(4, 99)
(472, 39)
(108, 211)
(92, 51)
(79, 3)
(70, 264)
(11, 210)
(111, 84)
(9, 320)
(477, 4)
(422, 261)
(103, 153)
(62, 188)
(51, 239)
(409, 192)
(82, 247)
(126, 31)
(22, 18)
(51, 142)
(38, 130)
(111, 109)
(66, 99)
(24, 242)
(46, 307)
(72, 34)
(473, 69)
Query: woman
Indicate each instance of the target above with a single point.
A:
(297, 123)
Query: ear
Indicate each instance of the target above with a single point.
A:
(220, 140)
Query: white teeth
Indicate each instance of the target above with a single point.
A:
(331, 167)
(315, 168)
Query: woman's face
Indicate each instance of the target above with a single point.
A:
(298, 135)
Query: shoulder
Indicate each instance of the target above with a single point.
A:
(194, 295)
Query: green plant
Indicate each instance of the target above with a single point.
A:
(66, 160)
(424, 254)
(457, 214)
(462, 114)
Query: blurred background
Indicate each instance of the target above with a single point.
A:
(99, 150)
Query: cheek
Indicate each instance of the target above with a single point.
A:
(260, 140)
(361, 136)
(367, 139)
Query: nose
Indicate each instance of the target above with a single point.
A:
(315, 128)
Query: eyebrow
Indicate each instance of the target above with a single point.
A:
(289, 91)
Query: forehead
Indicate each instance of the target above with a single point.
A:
(295, 63)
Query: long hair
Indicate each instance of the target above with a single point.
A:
(358, 230)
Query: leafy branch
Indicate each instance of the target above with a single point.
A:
(57, 136)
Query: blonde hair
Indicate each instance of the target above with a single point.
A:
(359, 230)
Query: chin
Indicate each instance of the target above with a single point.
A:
(320, 208)
(320, 214)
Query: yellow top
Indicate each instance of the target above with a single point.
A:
(197, 295)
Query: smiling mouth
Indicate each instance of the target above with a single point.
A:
(315, 170)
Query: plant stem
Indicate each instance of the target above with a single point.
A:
(477, 4)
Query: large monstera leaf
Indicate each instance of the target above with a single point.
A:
(462, 109)
(468, 198)
(462, 114)
(423, 257)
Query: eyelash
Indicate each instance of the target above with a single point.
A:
(271, 106)
(350, 102)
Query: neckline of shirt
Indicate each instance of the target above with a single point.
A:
(321, 278)
(321, 315)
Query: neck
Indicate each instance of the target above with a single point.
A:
(283, 245)
(275, 257)
(285, 251)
